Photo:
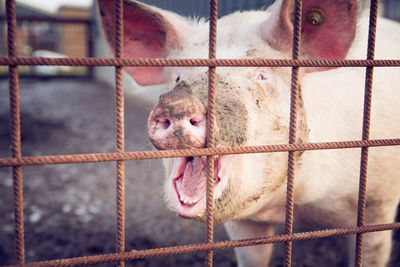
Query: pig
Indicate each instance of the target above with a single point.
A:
(252, 108)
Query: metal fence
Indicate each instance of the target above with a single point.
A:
(17, 161)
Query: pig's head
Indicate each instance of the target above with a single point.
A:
(252, 103)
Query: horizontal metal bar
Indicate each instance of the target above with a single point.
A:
(156, 154)
(50, 20)
(76, 77)
(158, 252)
(157, 62)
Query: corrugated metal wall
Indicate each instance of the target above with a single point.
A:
(392, 9)
(200, 8)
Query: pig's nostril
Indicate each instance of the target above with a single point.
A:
(195, 122)
(164, 123)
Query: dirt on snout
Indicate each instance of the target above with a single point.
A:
(70, 209)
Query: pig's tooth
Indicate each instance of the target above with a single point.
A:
(184, 200)
(189, 202)
(196, 200)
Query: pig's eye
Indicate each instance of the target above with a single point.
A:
(261, 77)
(315, 16)
(178, 78)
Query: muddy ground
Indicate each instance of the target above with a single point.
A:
(69, 209)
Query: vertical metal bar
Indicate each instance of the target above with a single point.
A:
(90, 49)
(292, 131)
(362, 196)
(120, 129)
(212, 53)
(15, 121)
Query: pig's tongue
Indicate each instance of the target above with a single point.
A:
(193, 183)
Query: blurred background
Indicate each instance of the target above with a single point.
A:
(69, 209)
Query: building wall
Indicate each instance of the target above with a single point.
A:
(74, 37)
(24, 29)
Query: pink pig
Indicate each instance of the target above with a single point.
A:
(253, 109)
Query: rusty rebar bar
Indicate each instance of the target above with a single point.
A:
(294, 92)
(197, 62)
(120, 128)
(50, 20)
(157, 154)
(362, 192)
(185, 249)
(212, 54)
(15, 121)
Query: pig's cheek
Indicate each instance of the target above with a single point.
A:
(230, 164)
(169, 191)
(232, 122)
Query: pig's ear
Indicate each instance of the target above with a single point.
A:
(328, 28)
(148, 32)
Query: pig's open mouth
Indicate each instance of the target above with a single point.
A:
(189, 179)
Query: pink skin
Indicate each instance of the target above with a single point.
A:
(330, 40)
(160, 131)
(190, 201)
(145, 36)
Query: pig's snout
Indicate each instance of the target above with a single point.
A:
(178, 121)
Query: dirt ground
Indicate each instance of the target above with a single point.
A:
(69, 209)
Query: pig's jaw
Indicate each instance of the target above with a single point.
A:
(187, 186)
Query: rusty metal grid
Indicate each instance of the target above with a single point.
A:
(120, 155)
